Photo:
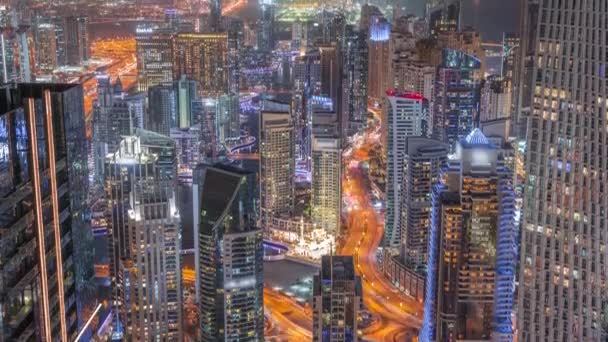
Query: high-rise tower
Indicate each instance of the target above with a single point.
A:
(77, 40)
(326, 183)
(161, 109)
(354, 79)
(215, 15)
(228, 118)
(43, 193)
(14, 55)
(185, 94)
(423, 160)
(277, 164)
(265, 34)
(337, 298)
(564, 100)
(443, 16)
(114, 115)
(379, 52)
(456, 96)
(45, 47)
(145, 242)
(154, 56)
(472, 258)
(229, 255)
(405, 115)
(203, 57)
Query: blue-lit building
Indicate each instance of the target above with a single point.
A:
(337, 298)
(43, 196)
(473, 248)
(457, 92)
(379, 52)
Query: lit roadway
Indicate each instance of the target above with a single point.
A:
(397, 317)
(230, 8)
(290, 321)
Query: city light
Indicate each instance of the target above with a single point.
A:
(297, 170)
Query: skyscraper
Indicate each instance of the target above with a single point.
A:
(405, 115)
(337, 298)
(495, 99)
(154, 56)
(332, 24)
(235, 44)
(473, 248)
(307, 73)
(354, 79)
(330, 71)
(277, 163)
(77, 40)
(43, 190)
(14, 55)
(402, 54)
(327, 183)
(229, 255)
(228, 118)
(60, 28)
(101, 108)
(443, 16)
(208, 109)
(307, 83)
(145, 242)
(161, 109)
(456, 96)
(423, 160)
(203, 57)
(510, 47)
(379, 52)
(115, 115)
(414, 75)
(23, 48)
(265, 27)
(215, 15)
(45, 47)
(563, 266)
(467, 40)
(185, 94)
(367, 14)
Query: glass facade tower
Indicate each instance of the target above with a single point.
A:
(229, 255)
(43, 189)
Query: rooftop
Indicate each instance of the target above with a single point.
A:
(404, 94)
(337, 267)
(477, 138)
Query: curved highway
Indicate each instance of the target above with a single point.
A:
(398, 316)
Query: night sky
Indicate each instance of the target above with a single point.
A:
(491, 17)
